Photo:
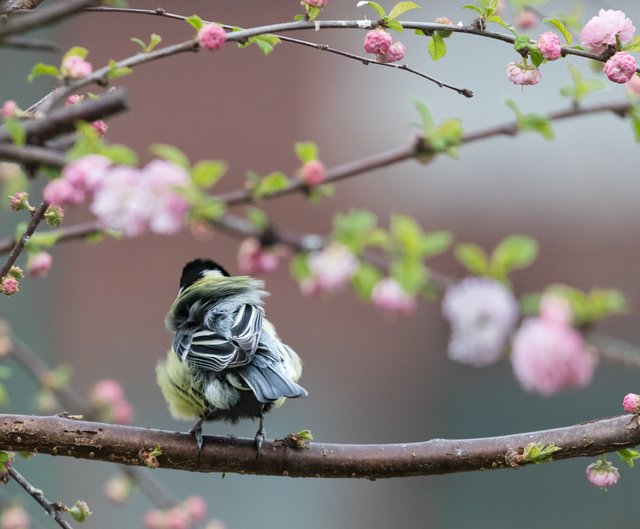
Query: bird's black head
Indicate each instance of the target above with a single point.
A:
(193, 271)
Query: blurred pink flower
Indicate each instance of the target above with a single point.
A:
(621, 68)
(75, 67)
(549, 45)
(331, 269)
(482, 314)
(521, 74)
(388, 295)
(313, 173)
(377, 41)
(631, 403)
(39, 264)
(602, 474)
(211, 37)
(254, 259)
(601, 31)
(548, 355)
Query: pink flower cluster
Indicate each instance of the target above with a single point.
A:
(380, 42)
(522, 74)
(125, 198)
(482, 314)
(182, 516)
(211, 37)
(602, 474)
(75, 67)
(331, 269)
(255, 259)
(548, 354)
(107, 396)
(389, 296)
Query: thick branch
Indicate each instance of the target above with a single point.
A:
(42, 17)
(131, 445)
(64, 119)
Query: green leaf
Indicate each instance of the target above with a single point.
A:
(365, 279)
(17, 132)
(258, 218)
(629, 456)
(206, 173)
(171, 154)
(539, 453)
(473, 258)
(43, 69)
(306, 151)
(299, 267)
(114, 71)
(568, 37)
(379, 9)
(514, 251)
(497, 19)
(75, 50)
(436, 242)
(410, 273)
(408, 235)
(195, 21)
(521, 42)
(401, 8)
(437, 46)
(270, 184)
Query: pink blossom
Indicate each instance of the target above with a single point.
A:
(549, 355)
(377, 41)
(549, 45)
(196, 507)
(61, 192)
(631, 403)
(331, 269)
(394, 53)
(255, 259)
(14, 517)
(10, 109)
(155, 519)
(87, 173)
(601, 31)
(313, 173)
(317, 3)
(388, 295)
(621, 68)
(39, 264)
(521, 74)
(633, 85)
(100, 127)
(525, 19)
(116, 202)
(211, 37)
(10, 286)
(162, 203)
(602, 474)
(75, 67)
(118, 489)
(482, 313)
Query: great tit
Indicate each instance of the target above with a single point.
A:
(226, 361)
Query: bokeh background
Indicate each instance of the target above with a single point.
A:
(370, 379)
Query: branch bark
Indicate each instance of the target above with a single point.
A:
(130, 445)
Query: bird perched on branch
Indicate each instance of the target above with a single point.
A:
(226, 361)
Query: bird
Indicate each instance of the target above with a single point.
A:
(226, 361)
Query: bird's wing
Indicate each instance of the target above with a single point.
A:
(208, 349)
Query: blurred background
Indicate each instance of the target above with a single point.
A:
(101, 309)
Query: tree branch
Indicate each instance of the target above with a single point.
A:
(130, 445)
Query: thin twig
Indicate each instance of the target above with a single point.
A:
(131, 445)
(36, 217)
(53, 509)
